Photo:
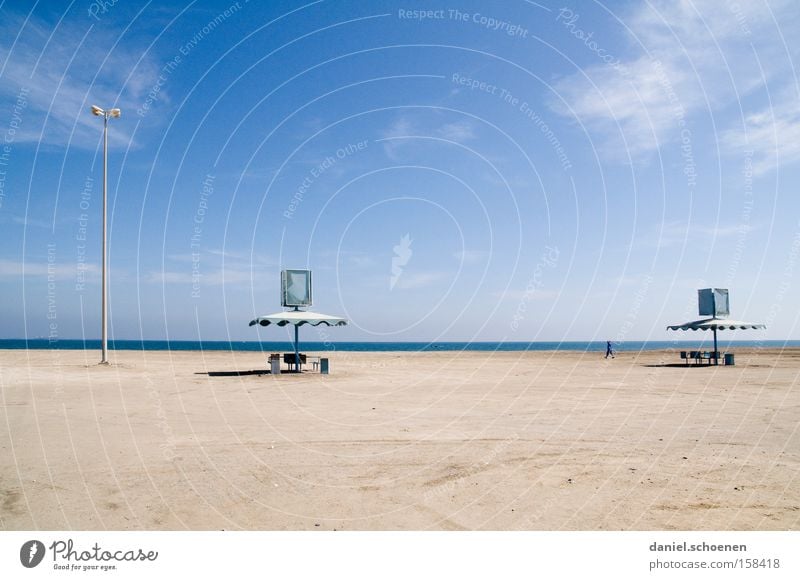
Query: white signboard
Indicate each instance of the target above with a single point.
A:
(713, 302)
(296, 287)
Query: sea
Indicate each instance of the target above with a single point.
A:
(311, 346)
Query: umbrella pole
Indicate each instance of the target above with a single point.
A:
(716, 353)
(297, 348)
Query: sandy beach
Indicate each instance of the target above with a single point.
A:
(399, 441)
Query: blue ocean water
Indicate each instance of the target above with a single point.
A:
(311, 346)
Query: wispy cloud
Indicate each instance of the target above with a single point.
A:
(62, 71)
(414, 280)
(771, 136)
(361, 261)
(210, 277)
(679, 232)
(241, 258)
(458, 131)
(687, 56)
(396, 136)
(471, 256)
(633, 114)
(526, 295)
(393, 137)
(206, 268)
(39, 269)
(31, 222)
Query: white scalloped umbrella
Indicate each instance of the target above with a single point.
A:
(716, 324)
(298, 318)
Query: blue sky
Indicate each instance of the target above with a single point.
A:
(459, 171)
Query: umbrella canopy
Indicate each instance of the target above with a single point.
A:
(716, 324)
(298, 318)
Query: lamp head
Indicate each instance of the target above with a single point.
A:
(97, 111)
(114, 113)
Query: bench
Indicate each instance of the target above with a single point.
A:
(699, 356)
(289, 359)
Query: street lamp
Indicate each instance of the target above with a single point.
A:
(98, 112)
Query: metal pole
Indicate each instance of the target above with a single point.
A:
(716, 355)
(296, 349)
(104, 359)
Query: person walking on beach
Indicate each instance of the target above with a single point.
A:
(609, 350)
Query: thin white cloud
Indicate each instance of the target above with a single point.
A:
(401, 127)
(31, 222)
(459, 131)
(238, 259)
(679, 232)
(471, 256)
(635, 113)
(395, 136)
(771, 137)
(206, 269)
(524, 295)
(361, 261)
(414, 280)
(203, 274)
(52, 77)
(17, 269)
(688, 55)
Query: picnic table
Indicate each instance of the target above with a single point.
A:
(698, 356)
(289, 359)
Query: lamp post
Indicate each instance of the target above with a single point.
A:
(98, 112)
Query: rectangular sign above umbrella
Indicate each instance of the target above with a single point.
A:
(713, 302)
(296, 288)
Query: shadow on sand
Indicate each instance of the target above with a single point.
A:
(234, 373)
(243, 373)
(681, 366)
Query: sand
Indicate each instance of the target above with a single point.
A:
(388, 441)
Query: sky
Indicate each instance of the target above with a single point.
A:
(460, 171)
